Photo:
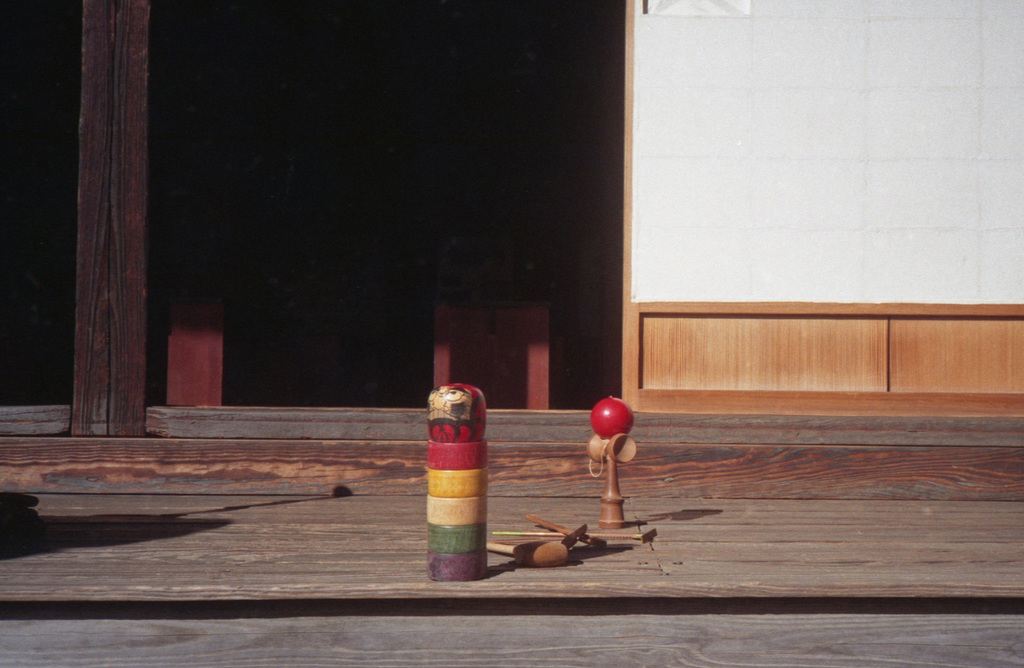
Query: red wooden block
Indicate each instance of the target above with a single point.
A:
(456, 456)
(501, 347)
(195, 355)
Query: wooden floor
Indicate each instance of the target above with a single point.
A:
(156, 548)
(297, 537)
(322, 580)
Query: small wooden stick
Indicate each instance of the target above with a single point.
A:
(573, 537)
(646, 537)
(586, 538)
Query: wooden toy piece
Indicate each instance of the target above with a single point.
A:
(457, 484)
(611, 416)
(584, 537)
(457, 511)
(537, 554)
(457, 567)
(456, 413)
(456, 539)
(616, 450)
(606, 537)
(457, 456)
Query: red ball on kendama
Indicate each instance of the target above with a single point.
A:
(611, 416)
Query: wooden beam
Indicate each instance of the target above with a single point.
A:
(399, 424)
(540, 470)
(34, 420)
(110, 327)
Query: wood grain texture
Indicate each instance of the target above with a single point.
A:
(977, 372)
(194, 548)
(395, 424)
(574, 426)
(34, 420)
(110, 321)
(312, 580)
(128, 211)
(92, 311)
(557, 637)
(189, 466)
(775, 353)
(962, 355)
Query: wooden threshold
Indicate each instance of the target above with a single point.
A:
(574, 426)
(548, 470)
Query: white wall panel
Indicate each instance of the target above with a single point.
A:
(829, 150)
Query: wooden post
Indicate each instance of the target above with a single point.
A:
(110, 318)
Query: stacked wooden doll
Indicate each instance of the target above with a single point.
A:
(456, 484)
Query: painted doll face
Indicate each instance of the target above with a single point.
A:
(456, 413)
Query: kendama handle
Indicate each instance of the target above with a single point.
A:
(611, 502)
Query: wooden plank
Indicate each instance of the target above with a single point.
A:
(962, 355)
(92, 314)
(128, 209)
(920, 404)
(34, 420)
(189, 548)
(763, 353)
(110, 316)
(128, 465)
(354, 423)
(554, 636)
(568, 426)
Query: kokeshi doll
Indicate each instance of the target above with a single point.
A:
(456, 484)
(456, 413)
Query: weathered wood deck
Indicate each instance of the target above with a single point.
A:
(150, 579)
(882, 543)
(168, 547)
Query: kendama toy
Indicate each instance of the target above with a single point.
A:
(456, 484)
(609, 446)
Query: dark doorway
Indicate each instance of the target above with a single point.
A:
(41, 53)
(311, 163)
